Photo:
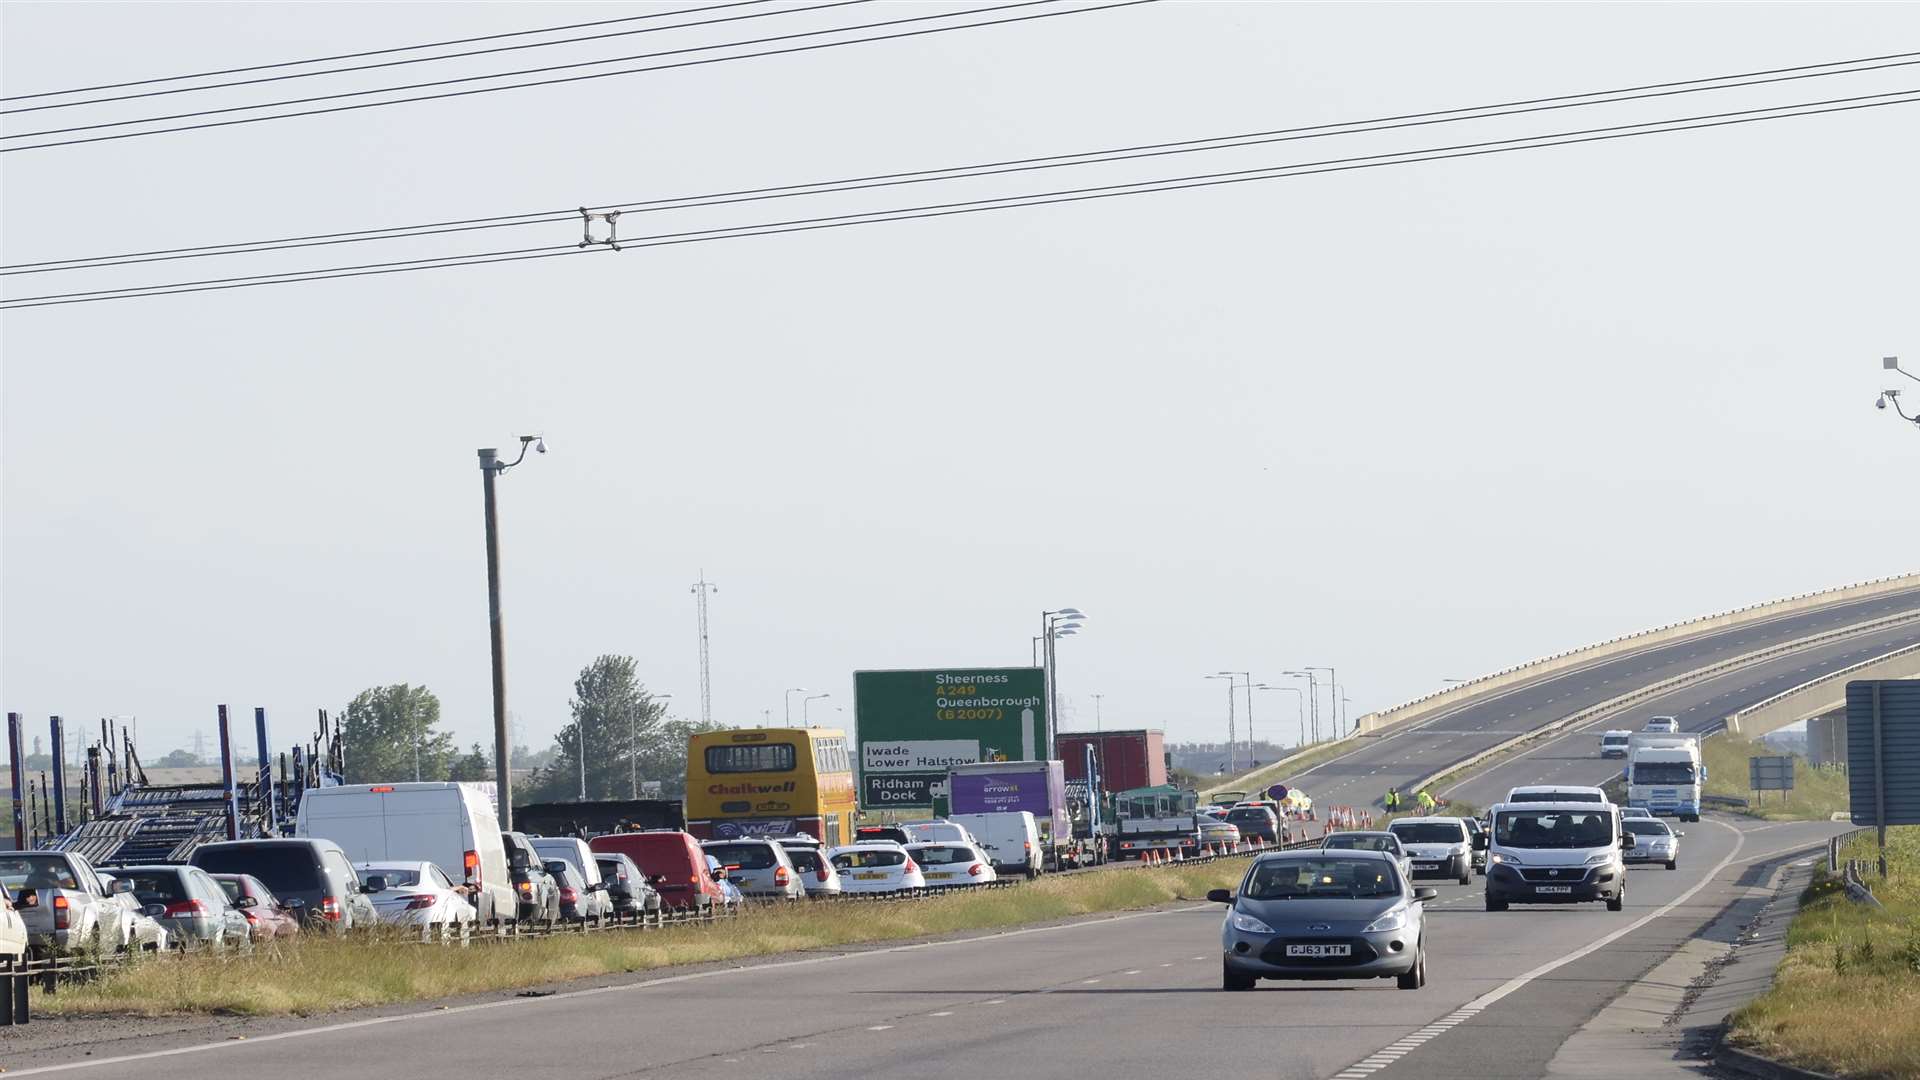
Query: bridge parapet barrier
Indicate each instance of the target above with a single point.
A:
(1475, 689)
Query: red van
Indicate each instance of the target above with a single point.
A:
(672, 860)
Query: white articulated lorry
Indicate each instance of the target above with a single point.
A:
(1665, 774)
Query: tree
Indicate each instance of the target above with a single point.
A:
(476, 765)
(388, 733)
(178, 759)
(628, 737)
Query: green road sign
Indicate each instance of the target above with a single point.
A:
(912, 725)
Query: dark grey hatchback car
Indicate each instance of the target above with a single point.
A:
(312, 876)
(1320, 914)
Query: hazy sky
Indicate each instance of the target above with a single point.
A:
(1417, 423)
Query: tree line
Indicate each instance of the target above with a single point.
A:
(618, 727)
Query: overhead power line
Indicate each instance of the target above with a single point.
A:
(555, 81)
(432, 59)
(1089, 157)
(379, 52)
(1011, 202)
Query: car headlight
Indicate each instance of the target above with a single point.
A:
(1392, 920)
(1242, 921)
(1503, 859)
(1601, 859)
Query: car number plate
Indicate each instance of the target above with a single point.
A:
(1426, 866)
(940, 874)
(1319, 950)
(1553, 888)
(870, 877)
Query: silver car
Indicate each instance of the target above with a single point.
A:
(191, 905)
(66, 907)
(1324, 914)
(1653, 841)
(760, 868)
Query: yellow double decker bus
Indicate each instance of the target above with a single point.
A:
(770, 782)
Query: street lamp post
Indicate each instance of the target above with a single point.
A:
(804, 702)
(490, 467)
(1248, 676)
(1333, 699)
(1054, 625)
(1096, 711)
(1233, 757)
(1300, 703)
(1892, 363)
(1313, 699)
(787, 699)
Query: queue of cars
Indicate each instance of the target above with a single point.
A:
(1349, 909)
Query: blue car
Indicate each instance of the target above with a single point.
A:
(729, 892)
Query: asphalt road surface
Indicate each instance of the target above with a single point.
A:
(1135, 995)
(1362, 776)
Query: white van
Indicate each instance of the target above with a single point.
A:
(938, 831)
(1011, 839)
(595, 903)
(1555, 853)
(447, 824)
(1556, 793)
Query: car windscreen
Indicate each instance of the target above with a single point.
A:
(873, 857)
(881, 832)
(744, 856)
(1553, 828)
(1643, 826)
(1256, 815)
(1359, 843)
(36, 872)
(944, 855)
(1324, 876)
(1662, 772)
(284, 869)
(396, 876)
(1555, 796)
(156, 887)
(1429, 832)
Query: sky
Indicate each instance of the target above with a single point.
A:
(1413, 423)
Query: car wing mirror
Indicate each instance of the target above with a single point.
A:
(1220, 896)
(1626, 840)
(374, 884)
(121, 887)
(246, 902)
(1678, 833)
(1479, 841)
(1425, 893)
(556, 867)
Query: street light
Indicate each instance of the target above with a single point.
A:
(1892, 363)
(788, 699)
(1233, 758)
(1248, 676)
(1333, 699)
(1054, 625)
(804, 702)
(1313, 699)
(1300, 703)
(490, 467)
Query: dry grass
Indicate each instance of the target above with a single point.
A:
(1847, 997)
(320, 974)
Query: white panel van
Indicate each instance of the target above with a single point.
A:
(448, 824)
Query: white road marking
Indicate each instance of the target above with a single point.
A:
(947, 1013)
(1135, 971)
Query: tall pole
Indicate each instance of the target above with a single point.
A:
(700, 590)
(17, 768)
(1313, 699)
(502, 753)
(1096, 712)
(582, 726)
(59, 731)
(230, 788)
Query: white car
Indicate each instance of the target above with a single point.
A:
(878, 866)
(809, 858)
(146, 934)
(417, 894)
(1653, 841)
(947, 865)
(1437, 845)
(1629, 813)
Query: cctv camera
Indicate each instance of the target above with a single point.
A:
(540, 445)
(1881, 403)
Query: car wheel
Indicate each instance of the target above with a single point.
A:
(1673, 864)
(1416, 976)
(1495, 905)
(1233, 980)
(1618, 901)
(1466, 874)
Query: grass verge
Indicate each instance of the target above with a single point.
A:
(1817, 793)
(320, 974)
(1846, 999)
